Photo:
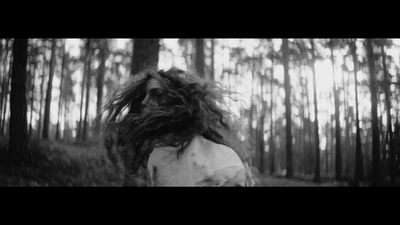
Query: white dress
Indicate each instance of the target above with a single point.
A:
(202, 163)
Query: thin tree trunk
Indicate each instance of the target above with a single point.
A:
(389, 118)
(100, 84)
(88, 84)
(397, 143)
(338, 150)
(302, 126)
(308, 127)
(271, 139)
(60, 99)
(46, 120)
(41, 96)
(200, 57)
(32, 98)
(5, 128)
(288, 106)
(3, 92)
(66, 106)
(18, 142)
(251, 130)
(316, 145)
(327, 149)
(346, 123)
(359, 171)
(80, 130)
(261, 136)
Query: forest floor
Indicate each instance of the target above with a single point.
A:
(280, 181)
(66, 165)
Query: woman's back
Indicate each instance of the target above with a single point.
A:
(202, 163)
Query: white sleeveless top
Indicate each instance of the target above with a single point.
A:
(202, 163)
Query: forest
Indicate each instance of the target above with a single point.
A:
(316, 112)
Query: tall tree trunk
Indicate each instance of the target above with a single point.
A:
(79, 136)
(288, 106)
(200, 57)
(359, 171)
(327, 148)
(66, 105)
(302, 126)
(346, 123)
(60, 99)
(145, 54)
(271, 139)
(251, 130)
(375, 176)
(212, 75)
(100, 84)
(261, 136)
(308, 128)
(46, 120)
(389, 118)
(3, 88)
(18, 142)
(5, 128)
(41, 95)
(338, 150)
(397, 143)
(316, 145)
(88, 84)
(32, 97)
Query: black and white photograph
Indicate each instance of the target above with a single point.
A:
(199, 112)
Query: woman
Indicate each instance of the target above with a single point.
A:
(174, 124)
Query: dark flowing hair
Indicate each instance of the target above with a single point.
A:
(190, 106)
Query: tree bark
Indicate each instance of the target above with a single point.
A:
(338, 150)
(60, 98)
(359, 171)
(66, 104)
(79, 136)
(308, 129)
(346, 123)
(18, 142)
(100, 84)
(389, 118)
(261, 136)
(288, 106)
(32, 97)
(302, 126)
(145, 54)
(3, 88)
(5, 128)
(271, 139)
(251, 130)
(46, 120)
(327, 149)
(200, 57)
(41, 95)
(88, 84)
(316, 145)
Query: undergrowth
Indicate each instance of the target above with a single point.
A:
(55, 164)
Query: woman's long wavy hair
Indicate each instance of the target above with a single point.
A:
(190, 106)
